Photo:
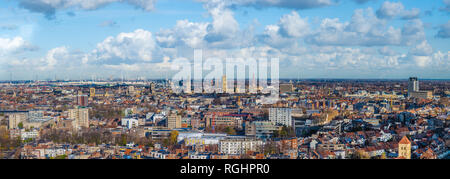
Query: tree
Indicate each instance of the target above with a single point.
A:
(270, 147)
(61, 157)
(173, 137)
(123, 140)
(20, 125)
(383, 156)
(285, 132)
(230, 131)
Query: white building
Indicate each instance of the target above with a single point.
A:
(198, 138)
(81, 117)
(130, 122)
(280, 116)
(29, 135)
(238, 146)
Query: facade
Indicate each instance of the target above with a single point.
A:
(29, 134)
(130, 122)
(265, 129)
(421, 94)
(81, 117)
(280, 116)
(15, 119)
(224, 84)
(286, 88)
(231, 121)
(82, 100)
(239, 146)
(92, 92)
(413, 84)
(404, 148)
(174, 121)
(198, 138)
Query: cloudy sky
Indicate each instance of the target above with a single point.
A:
(73, 39)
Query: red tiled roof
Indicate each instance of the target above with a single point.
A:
(405, 140)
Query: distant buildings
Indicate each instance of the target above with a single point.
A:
(286, 88)
(280, 116)
(331, 119)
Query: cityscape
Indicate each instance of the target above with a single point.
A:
(236, 80)
(313, 119)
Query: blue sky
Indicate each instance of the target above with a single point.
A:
(313, 39)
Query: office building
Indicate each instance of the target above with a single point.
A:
(280, 116)
(413, 85)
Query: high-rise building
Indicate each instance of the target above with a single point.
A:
(224, 84)
(404, 148)
(152, 88)
(188, 85)
(173, 121)
(131, 90)
(280, 116)
(82, 100)
(413, 85)
(81, 117)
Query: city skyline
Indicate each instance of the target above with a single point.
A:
(372, 39)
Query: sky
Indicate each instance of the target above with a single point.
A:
(362, 39)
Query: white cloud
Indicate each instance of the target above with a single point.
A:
(390, 10)
(364, 29)
(289, 4)
(422, 49)
(286, 32)
(49, 7)
(422, 61)
(224, 25)
(125, 48)
(184, 33)
(222, 32)
(14, 45)
(386, 51)
(291, 25)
